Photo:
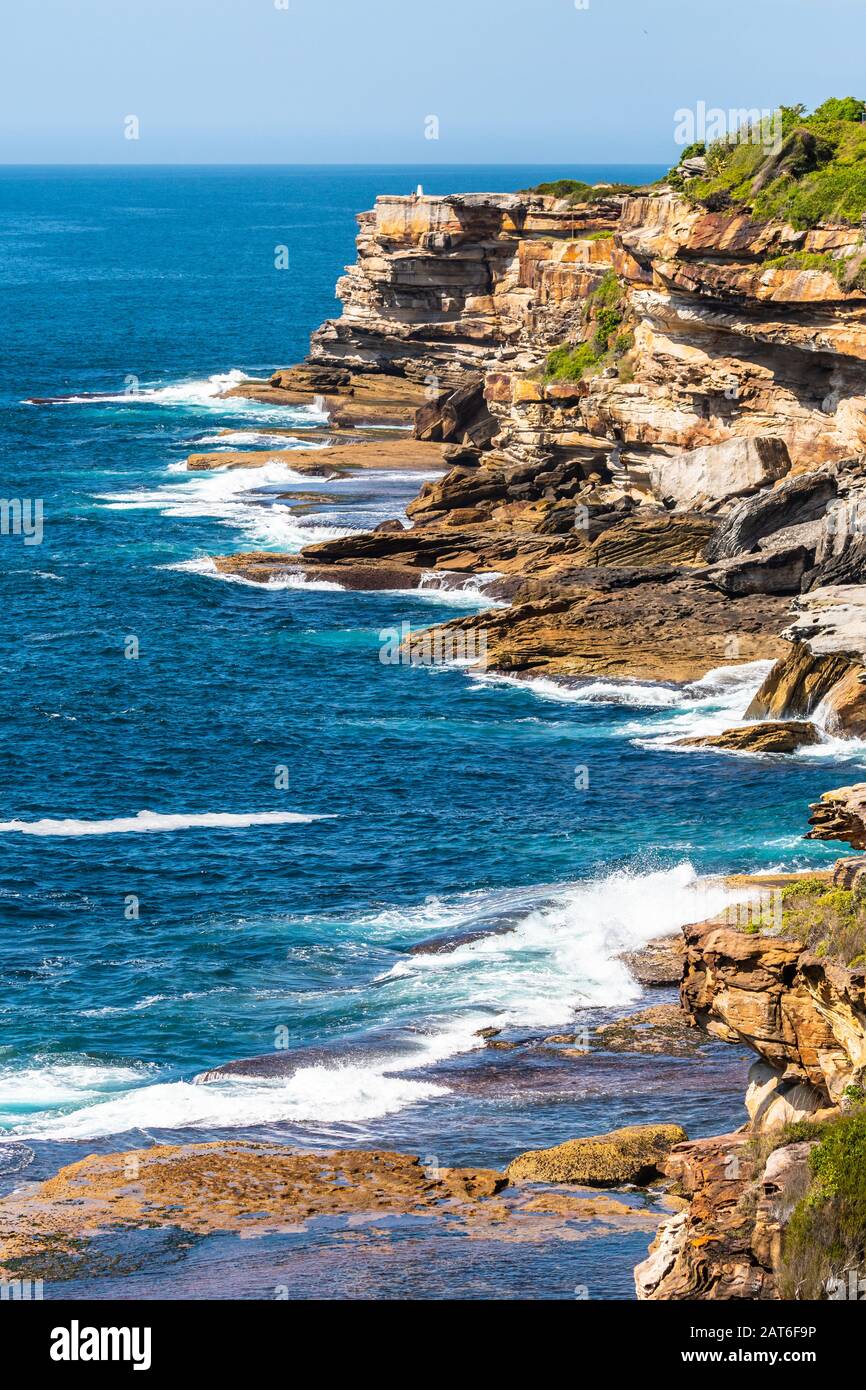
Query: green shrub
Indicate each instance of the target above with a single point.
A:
(566, 363)
(831, 922)
(840, 109)
(577, 192)
(826, 1233)
(603, 318)
(808, 260)
(607, 293)
(818, 174)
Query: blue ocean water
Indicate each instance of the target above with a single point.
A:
(133, 679)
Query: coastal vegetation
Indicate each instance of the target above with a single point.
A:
(825, 1238)
(848, 271)
(607, 339)
(817, 174)
(576, 191)
(830, 921)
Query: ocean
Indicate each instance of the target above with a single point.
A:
(224, 822)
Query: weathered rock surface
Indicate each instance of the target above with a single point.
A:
(740, 378)
(793, 502)
(206, 1188)
(659, 962)
(348, 400)
(716, 472)
(458, 416)
(726, 1243)
(660, 1030)
(840, 815)
(56, 1229)
(777, 571)
(824, 666)
(330, 461)
(633, 1154)
(443, 285)
(784, 737)
(772, 1102)
(639, 628)
(804, 1015)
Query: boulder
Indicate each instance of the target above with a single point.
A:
(458, 416)
(797, 684)
(825, 664)
(792, 502)
(658, 963)
(763, 572)
(781, 737)
(840, 815)
(634, 1154)
(717, 472)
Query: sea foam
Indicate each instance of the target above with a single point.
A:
(559, 956)
(151, 821)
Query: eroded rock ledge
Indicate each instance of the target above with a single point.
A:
(709, 471)
(804, 1015)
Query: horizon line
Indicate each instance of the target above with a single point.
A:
(331, 164)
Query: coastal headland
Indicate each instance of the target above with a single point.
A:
(644, 416)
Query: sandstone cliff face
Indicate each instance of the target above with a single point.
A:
(705, 474)
(725, 345)
(726, 1243)
(446, 286)
(806, 1019)
(803, 1015)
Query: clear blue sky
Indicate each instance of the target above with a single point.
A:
(352, 81)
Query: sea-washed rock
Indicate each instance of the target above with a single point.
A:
(630, 1155)
(781, 737)
(840, 815)
(824, 665)
(659, 962)
(662, 1029)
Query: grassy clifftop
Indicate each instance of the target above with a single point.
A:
(818, 173)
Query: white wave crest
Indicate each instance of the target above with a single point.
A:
(559, 957)
(204, 565)
(151, 821)
(207, 392)
(562, 955)
(48, 1081)
(313, 1095)
(228, 496)
(731, 687)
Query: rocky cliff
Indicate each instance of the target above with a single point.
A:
(445, 287)
(647, 408)
(774, 1209)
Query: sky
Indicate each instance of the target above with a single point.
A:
(403, 81)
